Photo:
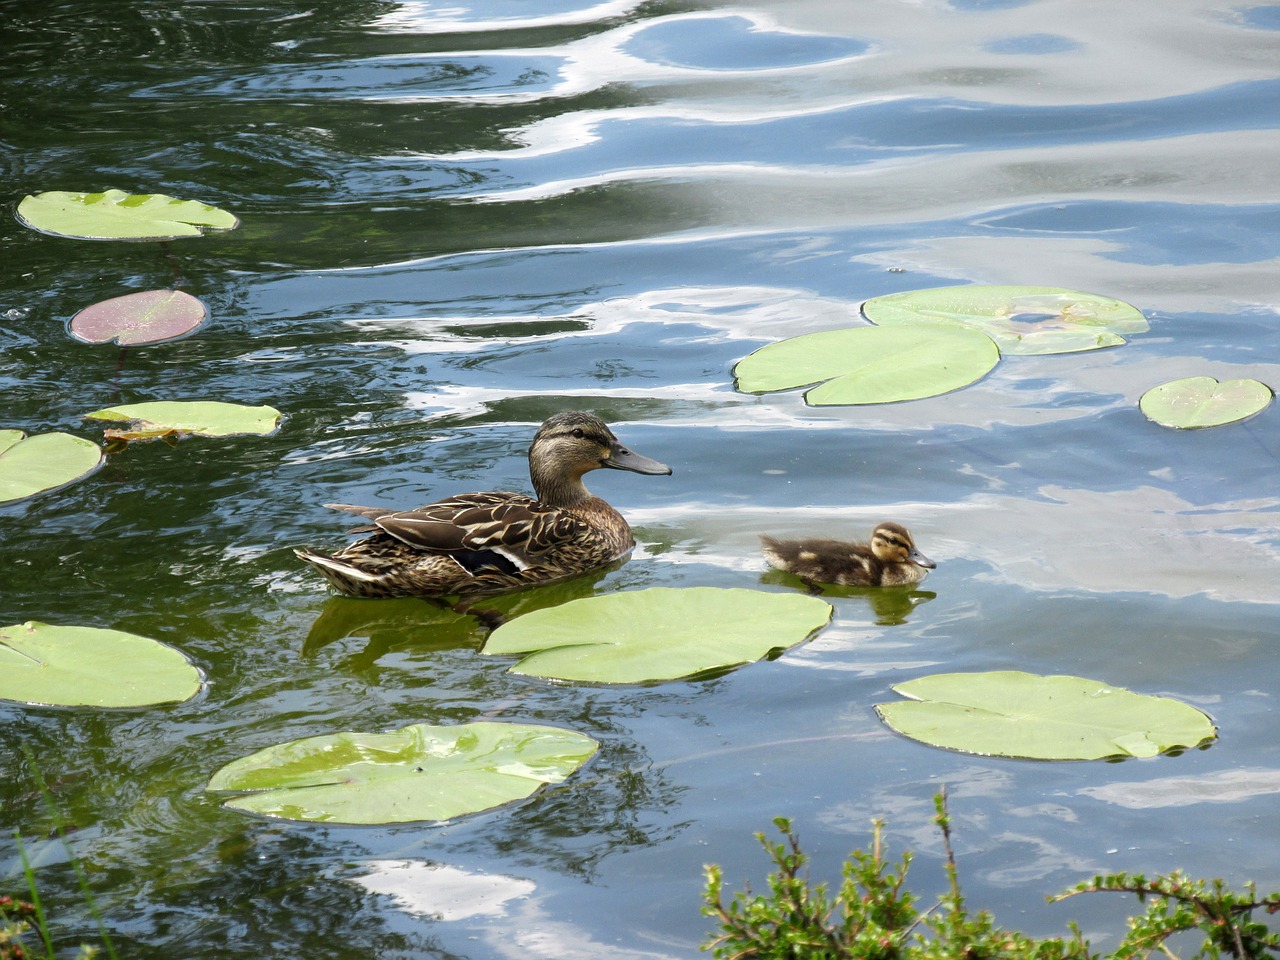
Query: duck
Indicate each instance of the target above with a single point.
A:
(889, 560)
(497, 541)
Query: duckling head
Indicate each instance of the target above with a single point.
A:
(891, 543)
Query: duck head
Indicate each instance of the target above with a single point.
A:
(573, 443)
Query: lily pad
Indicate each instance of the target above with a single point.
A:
(206, 418)
(1204, 402)
(1013, 714)
(52, 665)
(116, 215)
(151, 316)
(871, 364)
(662, 633)
(47, 461)
(419, 772)
(1022, 320)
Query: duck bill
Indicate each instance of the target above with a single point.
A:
(620, 458)
(920, 560)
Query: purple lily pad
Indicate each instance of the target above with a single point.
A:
(152, 316)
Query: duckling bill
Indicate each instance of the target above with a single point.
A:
(480, 543)
(890, 559)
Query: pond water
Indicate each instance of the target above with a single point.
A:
(459, 218)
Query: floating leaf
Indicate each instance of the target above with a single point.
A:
(419, 772)
(205, 418)
(54, 665)
(137, 318)
(1022, 320)
(1204, 402)
(44, 462)
(116, 215)
(1013, 714)
(662, 633)
(871, 364)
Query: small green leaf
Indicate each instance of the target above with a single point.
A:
(116, 215)
(419, 772)
(1021, 320)
(661, 633)
(1204, 402)
(871, 364)
(206, 418)
(1013, 714)
(44, 462)
(151, 316)
(48, 664)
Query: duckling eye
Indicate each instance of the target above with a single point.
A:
(577, 433)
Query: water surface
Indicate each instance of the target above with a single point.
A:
(459, 219)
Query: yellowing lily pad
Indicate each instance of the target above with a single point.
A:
(1013, 714)
(1204, 402)
(871, 364)
(47, 461)
(1022, 320)
(116, 215)
(151, 316)
(53, 665)
(662, 633)
(206, 418)
(419, 772)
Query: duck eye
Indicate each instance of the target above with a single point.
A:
(577, 433)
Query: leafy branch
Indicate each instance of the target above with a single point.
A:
(873, 916)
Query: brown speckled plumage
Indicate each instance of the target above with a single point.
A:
(479, 543)
(890, 559)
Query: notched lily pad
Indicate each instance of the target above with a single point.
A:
(1022, 320)
(151, 316)
(1013, 714)
(116, 215)
(662, 633)
(163, 419)
(871, 364)
(1195, 402)
(419, 772)
(51, 665)
(47, 461)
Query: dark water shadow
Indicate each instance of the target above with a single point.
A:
(891, 606)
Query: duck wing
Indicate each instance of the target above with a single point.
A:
(480, 530)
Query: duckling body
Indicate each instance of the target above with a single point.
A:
(479, 543)
(890, 559)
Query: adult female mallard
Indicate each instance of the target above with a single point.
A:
(478, 543)
(891, 559)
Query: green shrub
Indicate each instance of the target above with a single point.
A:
(873, 916)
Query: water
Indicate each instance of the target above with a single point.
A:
(457, 220)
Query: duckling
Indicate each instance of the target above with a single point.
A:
(891, 559)
(481, 543)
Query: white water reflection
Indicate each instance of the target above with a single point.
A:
(1144, 539)
(1223, 786)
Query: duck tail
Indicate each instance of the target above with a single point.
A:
(347, 577)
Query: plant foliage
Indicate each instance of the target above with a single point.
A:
(873, 916)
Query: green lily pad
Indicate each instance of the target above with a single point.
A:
(1022, 320)
(151, 316)
(1013, 714)
(205, 418)
(116, 215)
(662, 633)
(419, 772)
(871, 364)
(1204, 402)
(52, 665)
(44, 462)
